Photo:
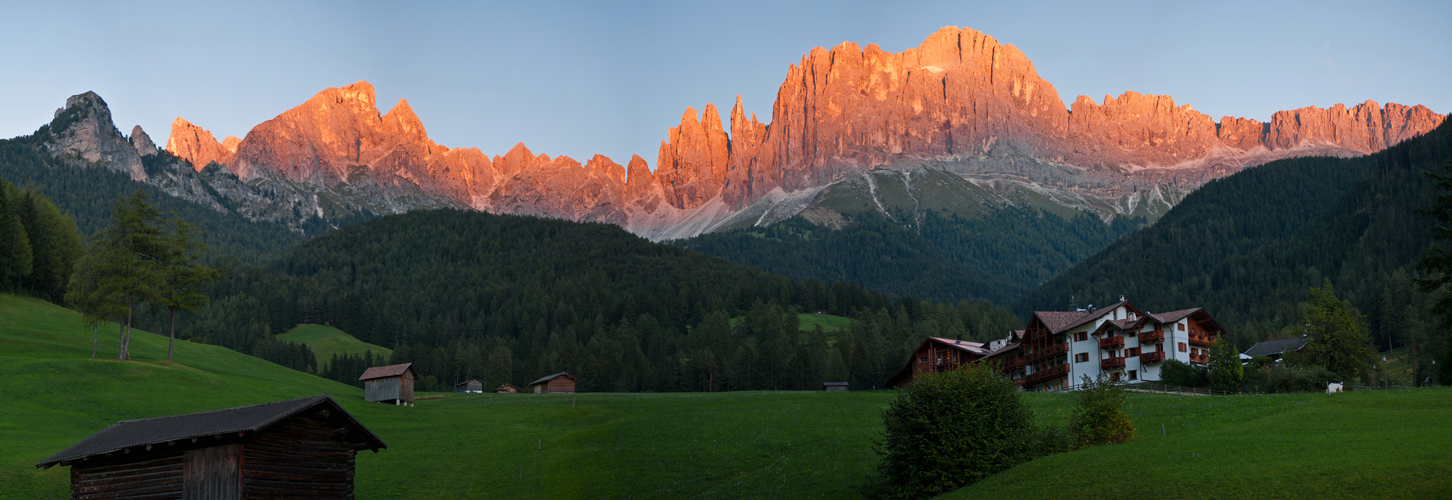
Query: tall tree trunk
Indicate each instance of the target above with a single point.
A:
(125, 353)
(95, 337)
(171, 343)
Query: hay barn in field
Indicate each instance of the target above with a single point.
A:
(506, 389)
(559, 383)
(299, 448)
(389, 384)
(471, 385)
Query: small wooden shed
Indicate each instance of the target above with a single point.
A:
(471, 385)
(834, 386)
(507, 389)
(299, 448)
(389, 384)
(559, 383)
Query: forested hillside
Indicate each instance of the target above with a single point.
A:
(1247, 247)
(997, 254)
(508, 299)
(89, 194)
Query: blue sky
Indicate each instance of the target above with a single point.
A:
(610, 77)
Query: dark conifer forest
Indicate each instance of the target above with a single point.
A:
(467, 294)
(998, 255)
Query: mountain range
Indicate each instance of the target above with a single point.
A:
(960, 106)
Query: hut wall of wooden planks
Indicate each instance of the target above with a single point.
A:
(471, 385)
(559, 383)
(389, 384)
(301, 448)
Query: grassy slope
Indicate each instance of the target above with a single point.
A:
(734, 445)
(325, 341)
(1370, 444)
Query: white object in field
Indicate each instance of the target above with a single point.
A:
(1333, 387)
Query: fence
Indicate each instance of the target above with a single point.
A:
(1153, 388)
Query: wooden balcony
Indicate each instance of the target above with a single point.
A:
(1200, 359)
(1200, 339)
(1153, 357)
(1111, 363)
(1111, 343)
(1013, 364)
(1039, 377)
(1052, 350)
(1152, 337)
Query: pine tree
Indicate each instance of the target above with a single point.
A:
(1226, 371)
(1336, 335)
(15, 252)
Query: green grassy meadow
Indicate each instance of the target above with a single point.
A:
(325, 341)
(724, 445)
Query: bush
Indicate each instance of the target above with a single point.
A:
(950, 429)
(1179, 373)
(1098, 417)
(1290, 378)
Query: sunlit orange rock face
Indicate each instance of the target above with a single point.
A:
(958, 96)
(196, 144)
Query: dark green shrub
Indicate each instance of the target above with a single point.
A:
(1181, 374)
(1290, 378)
(1052, 439)
(1098, 416)
(950, 429)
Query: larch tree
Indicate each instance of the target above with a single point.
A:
(128, 261)
(182, 274)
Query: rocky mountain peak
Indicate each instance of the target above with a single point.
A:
(83, 130)
(142, 142)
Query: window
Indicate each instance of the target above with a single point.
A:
(1133, 375)
(1114, 377)
(922, 359)
(1182, 347)
(1081, 357)
(1180, 326)
(1081, 336)
(1130, 352)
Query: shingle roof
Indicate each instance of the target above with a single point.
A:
(973, 347)
(1276, 346)
(1058, 321)
(1173, 316)
(148, 431)
(470, 380)
(547, 378)
(385, 371)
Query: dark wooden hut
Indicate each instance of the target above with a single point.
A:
(834, 386)
(559, 383)
(299, 448)
(389, 384)
(507, 389)
(471, 385)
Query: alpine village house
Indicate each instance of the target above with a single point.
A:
(1058, 348)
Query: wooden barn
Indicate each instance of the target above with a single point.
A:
(559, 383)
(389, 384)
(299, 448)
(471, 385)
(506, 389)
(834, 386)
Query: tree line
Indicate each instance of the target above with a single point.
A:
(998, 255)
(465, 294)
